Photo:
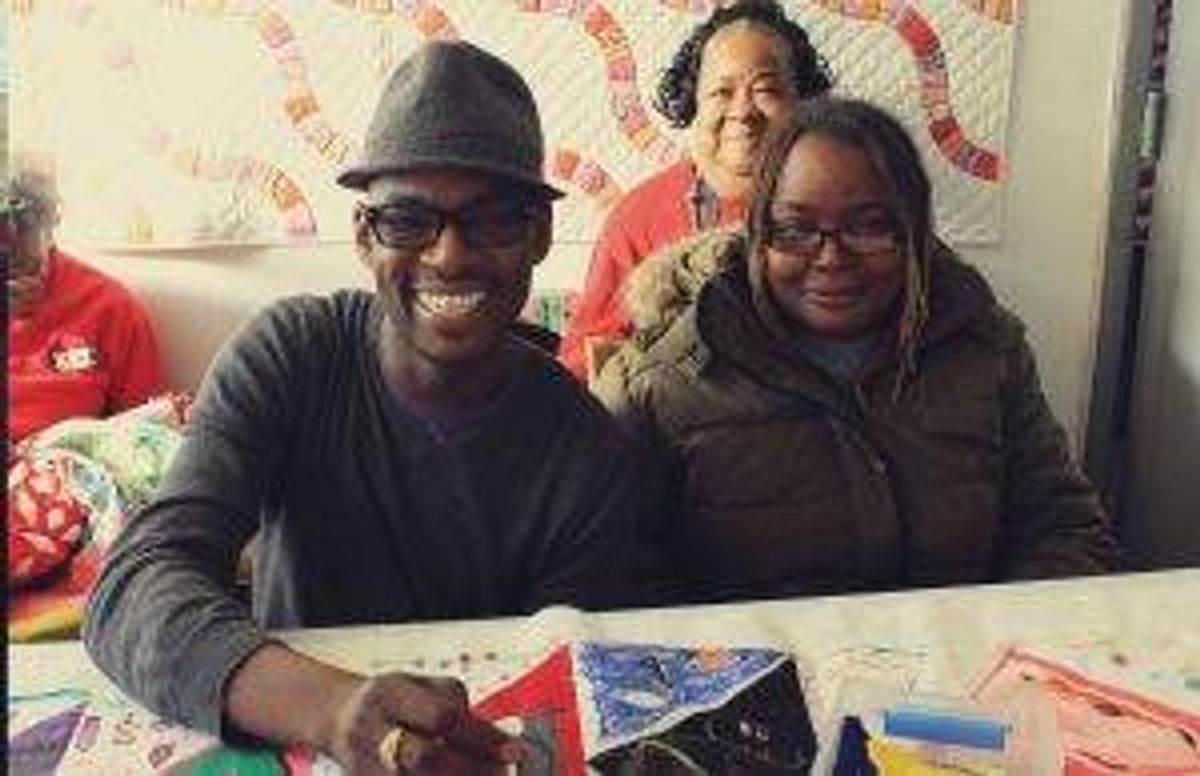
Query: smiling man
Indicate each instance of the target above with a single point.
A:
(403, 454)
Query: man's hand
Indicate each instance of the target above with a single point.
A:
(438, 733)
(285, 697)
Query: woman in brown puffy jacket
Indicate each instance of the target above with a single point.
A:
(844, 405)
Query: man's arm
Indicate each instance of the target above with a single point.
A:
(283, 696)
(165, 620)
(166, 623)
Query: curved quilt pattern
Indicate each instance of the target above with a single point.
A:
(621, 72)
(284, 193)
(586, 175)
(249, 139)
(625, 103)
(1002, 11)
(933, 79)
(564, 164)
(429, 19)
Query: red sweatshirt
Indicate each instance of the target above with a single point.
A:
(86, 350)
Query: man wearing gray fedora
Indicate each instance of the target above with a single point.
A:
(402, 455)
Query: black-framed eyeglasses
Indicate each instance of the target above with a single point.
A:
(16, 211)
(860, 237)
(492, 223)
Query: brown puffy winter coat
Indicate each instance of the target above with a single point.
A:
(769, 478)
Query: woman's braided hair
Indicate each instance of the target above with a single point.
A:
(675, 98)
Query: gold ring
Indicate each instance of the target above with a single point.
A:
(389, 747)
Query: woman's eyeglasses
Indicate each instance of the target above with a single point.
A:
(862, 237)
(414, 225)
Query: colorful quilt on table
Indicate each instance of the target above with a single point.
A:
(617, 708)
(70, 490)
(662, 709)
(585, 707)
(1104, 729)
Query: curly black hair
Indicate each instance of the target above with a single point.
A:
(676, 95)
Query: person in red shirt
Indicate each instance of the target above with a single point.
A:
(79, 343)
(739, 74)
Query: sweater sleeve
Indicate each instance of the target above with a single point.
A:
(1054, 522)
(164, 621)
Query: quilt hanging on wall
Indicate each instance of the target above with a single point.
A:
(179, 123)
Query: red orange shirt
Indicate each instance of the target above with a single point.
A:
(86, 350)
(658, 212)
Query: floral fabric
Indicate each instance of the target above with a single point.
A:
(71, 488)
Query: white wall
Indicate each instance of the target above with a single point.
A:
(1163, 508)
(198, 297)
(1047, 268)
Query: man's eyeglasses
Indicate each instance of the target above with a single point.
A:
(861, 237)
(415, 225)
(11, 205)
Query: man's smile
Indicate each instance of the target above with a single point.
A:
(449, 304)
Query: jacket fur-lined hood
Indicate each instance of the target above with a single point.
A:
(666, 283)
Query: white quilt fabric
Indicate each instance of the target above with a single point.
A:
(176, 123)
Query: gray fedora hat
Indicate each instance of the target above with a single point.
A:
(452, 104)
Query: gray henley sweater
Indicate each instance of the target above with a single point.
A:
(366, 514)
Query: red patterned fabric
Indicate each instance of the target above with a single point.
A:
(46, 522)
(109, 466)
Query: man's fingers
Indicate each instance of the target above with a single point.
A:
(421, 704)
(391, 747)
(373, 747)
(470, 732)
(407, 752)
(437, 709)
(420, 754)
(484, 740)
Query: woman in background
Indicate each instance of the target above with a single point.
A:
(846, 406)
(740, 73)
(79, 343)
